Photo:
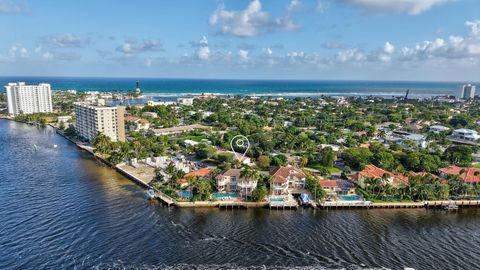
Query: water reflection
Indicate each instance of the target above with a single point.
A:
(59, 208)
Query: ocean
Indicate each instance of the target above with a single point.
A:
(185, 87)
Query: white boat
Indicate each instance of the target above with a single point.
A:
(150, 194)
(451, 206)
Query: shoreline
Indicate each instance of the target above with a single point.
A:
(167, 200)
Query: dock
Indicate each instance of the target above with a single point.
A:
(345, 204)
(459, 203)
(283, 205)
(232, 205)
(398, 205)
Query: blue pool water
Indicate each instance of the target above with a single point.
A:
(351, 198)
(185, 194)
(225, 195)
(276, 199)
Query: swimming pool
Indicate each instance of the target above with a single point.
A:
(350, 198)
(225, 195)
(185, 194)
(276, 199)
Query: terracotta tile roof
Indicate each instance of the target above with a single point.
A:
(328, 183)
(469, 175)
(204, 172)
(472, 175)
(452, 170)
(372, 171)
(360, 133)
(280, 174)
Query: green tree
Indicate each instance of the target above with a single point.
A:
(263, 162)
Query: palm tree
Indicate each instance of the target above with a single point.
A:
(249, 175)
(102, 143)
(137, 148)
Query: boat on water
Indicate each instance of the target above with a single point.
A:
(304, 199)
(150, 194)
(451, 206)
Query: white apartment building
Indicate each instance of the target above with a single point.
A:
(92, 119)
(466, 91)
(185, 101)
(28, 99)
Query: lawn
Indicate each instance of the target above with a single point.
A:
(331, 169)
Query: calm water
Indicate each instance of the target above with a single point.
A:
(177, 87)
(59, 209)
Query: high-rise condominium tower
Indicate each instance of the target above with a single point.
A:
(28, 99)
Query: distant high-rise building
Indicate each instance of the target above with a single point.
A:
(28, 99)
(466, 91)
(92, 119)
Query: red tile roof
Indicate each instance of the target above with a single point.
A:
(280, 174)
(204, 172)
(360, 133)
(452, 170)
(372, 171)
(364, 145)
(328, 183)
(469, 175)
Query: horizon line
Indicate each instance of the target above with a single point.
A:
(239, 79)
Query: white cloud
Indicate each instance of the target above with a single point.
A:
(295, 5)
(63, 56)
(268, 51)
(385, 54)
(248, 22)
(17, 51)
(203, 52)
(412, 7)
(350, 55)
(243, 54)
(9, 6)
(474, 27)
(455, 47)
(148, 62)
(65, 41)
(388, 48)
(322, 6)
(130, 47)
(47, 55)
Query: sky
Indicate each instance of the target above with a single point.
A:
(415, 40)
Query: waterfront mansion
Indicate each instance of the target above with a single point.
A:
(232, 181)
(287, 179)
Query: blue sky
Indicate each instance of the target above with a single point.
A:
(253, 39)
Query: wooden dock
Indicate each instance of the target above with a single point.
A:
(397, 205)
(345, 204)
(164, 198)
(232, 205)
(459, 203)
(283, 205)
